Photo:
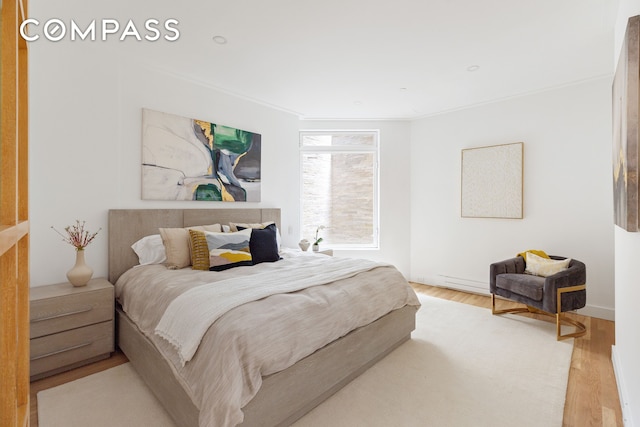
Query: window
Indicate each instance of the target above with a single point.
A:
(340, 187)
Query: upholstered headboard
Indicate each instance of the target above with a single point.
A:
(126, 226)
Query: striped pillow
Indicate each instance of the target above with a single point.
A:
(219, 251)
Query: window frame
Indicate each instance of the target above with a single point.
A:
(355, 149)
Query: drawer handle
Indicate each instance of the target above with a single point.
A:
(69, 313)
(62, 351)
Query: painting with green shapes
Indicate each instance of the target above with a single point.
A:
(191, 159)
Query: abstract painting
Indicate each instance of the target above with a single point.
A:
(190, 159)
(492, 181)
(626, 87)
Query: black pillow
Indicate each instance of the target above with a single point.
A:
(263, 244)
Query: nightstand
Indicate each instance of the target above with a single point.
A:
(325, 252)
(70, 326)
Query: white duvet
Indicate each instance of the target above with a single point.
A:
(261, 337)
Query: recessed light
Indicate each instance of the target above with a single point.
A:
(220, 39)
(357, 102)
(403, 88)
(473, 68)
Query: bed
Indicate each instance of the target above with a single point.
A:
(282, 397)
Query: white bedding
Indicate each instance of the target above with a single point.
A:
(261, 337)
(189, 316)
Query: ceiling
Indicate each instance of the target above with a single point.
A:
(378, 59)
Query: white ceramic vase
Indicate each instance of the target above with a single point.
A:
(315, 248)
(304, 244)
(81, 273)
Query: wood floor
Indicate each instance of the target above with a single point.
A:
(592, 395)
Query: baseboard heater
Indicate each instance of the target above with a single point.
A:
(465, 284)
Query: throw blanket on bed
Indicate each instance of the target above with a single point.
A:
(190, 315)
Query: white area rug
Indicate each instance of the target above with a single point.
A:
(463, 367)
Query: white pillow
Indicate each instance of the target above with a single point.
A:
(544, 267)
(150, 250)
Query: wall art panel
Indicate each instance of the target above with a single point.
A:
(492, 181)
(626, 88)
(190, 159)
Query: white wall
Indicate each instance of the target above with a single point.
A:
(567, 189)
(74, 148)
(626, 351)
(85, 152)
(395, 234)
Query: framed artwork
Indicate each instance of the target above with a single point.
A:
(625, 129)
(191, 159)
(492, 181)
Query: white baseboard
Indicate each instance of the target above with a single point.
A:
(599, 312)
(627, 418)
(468, 285)
(479, 287)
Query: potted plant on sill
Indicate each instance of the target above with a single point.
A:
(317, 240)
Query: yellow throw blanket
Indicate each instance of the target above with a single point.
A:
(533, 251)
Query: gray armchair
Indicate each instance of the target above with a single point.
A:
(552, 295)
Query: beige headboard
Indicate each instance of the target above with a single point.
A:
(126, 226)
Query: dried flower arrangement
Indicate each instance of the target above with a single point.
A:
(77, 236)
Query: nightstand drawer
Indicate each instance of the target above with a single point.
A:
(51, 315)
(69, 347)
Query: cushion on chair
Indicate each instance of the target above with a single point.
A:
(522, 284)
(545, 267)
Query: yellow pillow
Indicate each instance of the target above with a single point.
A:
(533, 251)
(544, 267)
(199, 250)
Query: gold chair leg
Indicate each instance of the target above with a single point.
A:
(581, 329)
(507, 310)
(560, 318)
